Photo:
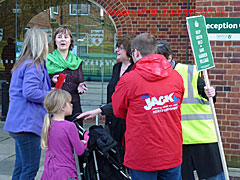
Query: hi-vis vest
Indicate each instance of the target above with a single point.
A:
(197, 120)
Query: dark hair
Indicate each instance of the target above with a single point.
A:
(126, 42)
(63, 30)
(10, 40)
(163, 47)
(145, 43)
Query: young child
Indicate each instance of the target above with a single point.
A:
(59, 138)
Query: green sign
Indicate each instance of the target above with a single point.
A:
(199, 42)
(223, 25)
(223, 29)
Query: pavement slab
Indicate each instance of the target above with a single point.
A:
(7, 157)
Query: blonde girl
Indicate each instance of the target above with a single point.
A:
(59, 137)
(28, 87)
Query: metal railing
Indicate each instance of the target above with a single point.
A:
(93, 67)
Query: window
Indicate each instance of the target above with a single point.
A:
(81, 42)
(54, 10)
(80, 9)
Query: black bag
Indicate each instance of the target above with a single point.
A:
(107, 156)
(5, 100)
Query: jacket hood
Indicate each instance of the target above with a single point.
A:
(153, 67)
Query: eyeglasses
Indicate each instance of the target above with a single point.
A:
(132, 51)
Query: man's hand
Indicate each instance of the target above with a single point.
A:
(89, 114)
(210, 92)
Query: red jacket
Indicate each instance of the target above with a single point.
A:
(149, 97)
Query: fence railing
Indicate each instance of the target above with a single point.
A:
(95, 67)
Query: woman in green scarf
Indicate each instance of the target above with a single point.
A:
(61, 60)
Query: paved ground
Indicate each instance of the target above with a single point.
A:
(7, 155)
(7, 158)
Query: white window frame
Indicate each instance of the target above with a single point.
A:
(74, 14)
(86, 35)
(53, 10)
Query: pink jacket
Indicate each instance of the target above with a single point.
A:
(59, 162)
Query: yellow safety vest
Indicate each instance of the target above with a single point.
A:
(197, 120)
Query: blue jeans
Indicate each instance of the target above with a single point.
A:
(217, 177)
(167, 174)
(28, 154)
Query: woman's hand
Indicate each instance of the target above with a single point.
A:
(210, 92)
(55, 78)
(90, 114)
(82, 88)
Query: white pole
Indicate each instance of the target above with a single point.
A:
(96, 165)
(97, 119)
(77, 165)
(217, 128)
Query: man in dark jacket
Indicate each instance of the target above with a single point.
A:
(9, 57)
(200, 148)
(149, 98)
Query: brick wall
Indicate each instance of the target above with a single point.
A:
(226, 78)
(162, 20)
(171, 26)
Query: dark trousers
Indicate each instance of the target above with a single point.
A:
(204, 158)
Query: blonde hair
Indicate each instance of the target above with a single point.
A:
(54, 101)
(35, 46)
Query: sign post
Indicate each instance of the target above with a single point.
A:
(204, 60)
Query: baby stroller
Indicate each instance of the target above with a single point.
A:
(101, 158)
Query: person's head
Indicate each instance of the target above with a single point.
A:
(10, 40)
(143, 45)
(56, 102)
(163, 47)
(123, 49)
(35, 45)
(63, 39)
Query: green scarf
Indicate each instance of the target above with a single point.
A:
(56, 63)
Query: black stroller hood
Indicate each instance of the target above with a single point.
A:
(103, 155)
(101, 139)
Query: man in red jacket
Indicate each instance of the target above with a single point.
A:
(149, 97)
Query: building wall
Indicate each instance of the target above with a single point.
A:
(226, 78)
(167, 21)
(161, 21)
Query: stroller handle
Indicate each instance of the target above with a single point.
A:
(84, 133)
(75, 119)
(80, 129)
